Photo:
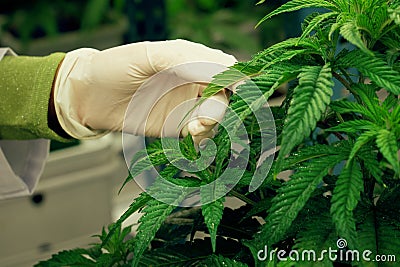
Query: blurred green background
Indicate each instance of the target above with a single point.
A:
(45, 26)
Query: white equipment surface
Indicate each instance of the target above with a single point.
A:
(71, 203)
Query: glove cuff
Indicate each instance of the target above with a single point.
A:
(66, 89)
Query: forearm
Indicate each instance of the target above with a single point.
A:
(27, 110)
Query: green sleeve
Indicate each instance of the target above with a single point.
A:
(25, 86)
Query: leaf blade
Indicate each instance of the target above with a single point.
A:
(344, 200)
(349, 31)
(297, 5)
(387, 144)
(291, 198)
(374, 68)
(310, 99)
(155, 213)
(212, 213)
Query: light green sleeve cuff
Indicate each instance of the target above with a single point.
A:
(25, 86)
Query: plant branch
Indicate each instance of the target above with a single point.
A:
(242, 197)
(338, 135)
(345, 74)
(346, 84)
(343, 81)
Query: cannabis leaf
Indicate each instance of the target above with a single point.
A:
(344, 200)
(316, 22)
(374, 68)
(297, 5)
(387, 144)
(68, 258)
(349, 30)
(154, 215)
(212, 212)
(317, 235)
(292, 197)
(309, 102)
(137, 204)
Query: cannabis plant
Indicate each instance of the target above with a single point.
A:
(337, 136)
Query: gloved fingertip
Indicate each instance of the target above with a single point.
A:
(196, 127)
(207, 121)
(185, 131)
(193, 127)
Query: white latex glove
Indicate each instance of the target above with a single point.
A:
(93, 89)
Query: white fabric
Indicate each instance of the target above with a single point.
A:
(21, 162)
(93, 88)
(6, 51)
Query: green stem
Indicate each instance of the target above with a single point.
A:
(346, 75)
(343, 81)
(242, 197)
(346, 84)
(339, 117)
(325, 124)
(369, 183)
(389, 29)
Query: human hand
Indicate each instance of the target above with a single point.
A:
(93, 89)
